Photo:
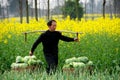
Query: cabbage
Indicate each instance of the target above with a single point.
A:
(68, 66)
(90, 63)
(23, 65)
(32, 62)
(33, 57)
(35, 62)
(82, 59)
(67, 61)
(19, 59)
(15, 65)
(19, 65)
(39, 62)
(12, 65)
(79, 59)
(78, 65)
(26, 59)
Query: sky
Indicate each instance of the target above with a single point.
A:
(41, 3)
(53, 3)
(4, 3)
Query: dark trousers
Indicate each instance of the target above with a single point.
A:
(52, 62)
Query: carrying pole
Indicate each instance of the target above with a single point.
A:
(25, 33)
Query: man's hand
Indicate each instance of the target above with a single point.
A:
(76, 39)
(30, 53)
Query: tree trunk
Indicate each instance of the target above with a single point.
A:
(3, 14)
(92, 10)
(0, 12)
(27, 12)
(63, 10)
(85, 10)
(32, 9)
(20, 9)
(7, 12)
(48, 9)
(77, 5)
(104, 2)
(118, 9)
(36, 11)
(115, 10)
(39, 10)
(110, 10)
(59, 8)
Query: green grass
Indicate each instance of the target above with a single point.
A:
(42, 75)
(103, 49)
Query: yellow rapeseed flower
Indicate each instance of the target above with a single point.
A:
(5, 41)
(100, 25)
(9, 36)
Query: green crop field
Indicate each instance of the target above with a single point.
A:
(100, 42)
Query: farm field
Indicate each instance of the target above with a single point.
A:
(100, 42)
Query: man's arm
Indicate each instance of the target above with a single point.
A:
(35, 45)
(68, 39)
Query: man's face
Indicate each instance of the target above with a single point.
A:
(53, 26)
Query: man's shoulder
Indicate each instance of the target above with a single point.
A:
(42, 34)
(45, 32)
(58, 32)
(48, 32)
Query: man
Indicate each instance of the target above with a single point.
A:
(50, 40)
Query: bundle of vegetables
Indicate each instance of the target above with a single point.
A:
(78, 63)
(23, 62)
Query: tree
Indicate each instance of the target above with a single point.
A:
(73, 9)
(15, 6)
(3, 11)
(116, 4)
(20, 9)
(36, 11)
(77, 6)
(57, 10)
(48, 9)
(104, 2)
(7, 7)
(0, 10)
(118, 8)
(85, 10)
(115, 10)
(31, 8)
(110, 9)
(27, 12)
(92, 6)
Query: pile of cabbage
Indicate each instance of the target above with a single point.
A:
(78, 63)
(23, 62)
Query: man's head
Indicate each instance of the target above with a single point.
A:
(52, 25)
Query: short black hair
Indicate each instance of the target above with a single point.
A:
(50, 22)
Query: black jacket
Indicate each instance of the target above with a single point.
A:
(50, 41)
